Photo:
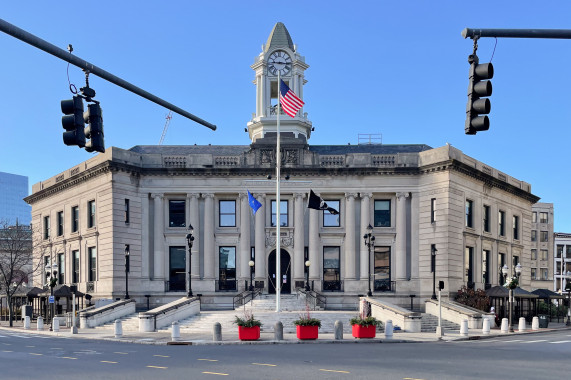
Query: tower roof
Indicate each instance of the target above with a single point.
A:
(279, 37)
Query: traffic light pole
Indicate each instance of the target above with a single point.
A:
(37, 42)
(517, 33)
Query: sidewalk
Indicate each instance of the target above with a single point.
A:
(231, 337)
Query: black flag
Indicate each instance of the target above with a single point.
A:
(317, 203)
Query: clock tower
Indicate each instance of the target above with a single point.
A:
(279, 55)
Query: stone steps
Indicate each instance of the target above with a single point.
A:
(430, 322)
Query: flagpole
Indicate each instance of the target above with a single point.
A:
(278, 216)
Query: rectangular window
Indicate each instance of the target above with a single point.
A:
(559, 252)
(61, 268)
(469, 205)
(283, 214)
(227, 215)
(515, 260)
(534, 254)
(543, 274)
(177, 269)
(568, 253)
(330, 220)
(543, 236)
(331, 268)
(60, 223)
(74, 219)
(177, 213)
(544, 254)
(468, 268)
(46, 227)
(92, 264)
(516, 227)
(534, 217)
(502, 262)
(502, 223)
(533, 235)
(127, 211)
(433, 210)
(486, 218)
(90, 214)
(534, 273)
(382, 274)
(382, 213)
(75, 266)
(227, 268)
(558, 268)
(47, 267)
(542, 217)
(486, 266)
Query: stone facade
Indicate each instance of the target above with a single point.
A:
(542, 246)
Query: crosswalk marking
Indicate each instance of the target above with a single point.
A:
(535, 341)
(561, 341)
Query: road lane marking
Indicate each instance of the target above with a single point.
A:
(535, 341)
(332, 370)
(121, 353)
(561, 341)
(512, 341)
(269, 365)
(162, 356)
(106, 361)
(208, 360)
(53, 348)
(30, 346)
(32, 353)
(154, 366)
(7, 351)
(7, 344)
(216, 373)
(411, 378)
(68, 357)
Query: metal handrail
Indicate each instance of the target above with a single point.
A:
(313, 298)
(242, 298)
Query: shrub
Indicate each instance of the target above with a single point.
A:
(247, 321)
(473, 298)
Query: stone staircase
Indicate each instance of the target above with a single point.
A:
(430, 322)
(128, 323)
(288, 302)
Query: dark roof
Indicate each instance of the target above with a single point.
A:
(34, 292)
(547, 294)
(235, 150)
(279, 37)
(502, 292)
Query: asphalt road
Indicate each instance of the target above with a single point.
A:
(534, 356)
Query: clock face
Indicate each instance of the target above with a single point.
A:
(279, 61)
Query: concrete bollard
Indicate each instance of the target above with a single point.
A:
(175, 331)
(389, 329)
(278, 331)
(27, 322)
(521, 327)
(504, 328)
(535, 324)
(40, 323)
(486, 328)
(338, 330)
(55, 325)
(217, 332)
(118, 328)
(464, 327)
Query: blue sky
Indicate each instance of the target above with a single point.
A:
(395, 68)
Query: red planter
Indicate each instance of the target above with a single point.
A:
(307, 332)
(248, 333)
(364, 331)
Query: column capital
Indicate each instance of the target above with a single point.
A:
(299, 195)
(351, 195)
(208, 195)
(401, 195)
(366, 195)
(259, 195)
(157, 195)
(192, 195)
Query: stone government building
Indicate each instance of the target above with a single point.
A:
(415, 197)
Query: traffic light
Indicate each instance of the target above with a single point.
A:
(478, 88)
(73, 121)
(94, 129)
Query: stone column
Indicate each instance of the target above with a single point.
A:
(365, 221)
(194, 221)
(245, 212)
(350, 236)
(400, 246)
(414, 233)
(315, 267)
(260, 239)
(159, 238)
(298, 239)
(209, 243)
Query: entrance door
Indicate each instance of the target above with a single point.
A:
(285, 275)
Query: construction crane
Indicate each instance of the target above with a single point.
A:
(168, 117)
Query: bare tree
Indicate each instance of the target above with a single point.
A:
(16, 260)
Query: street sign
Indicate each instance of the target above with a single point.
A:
(51, 299)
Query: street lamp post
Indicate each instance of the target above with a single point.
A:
(433, 266)
(251, 263)
(568, 288)
(189, 240)
(512, 286)
(369, 242)
(51, 275)
(127, 269)
(307, 265)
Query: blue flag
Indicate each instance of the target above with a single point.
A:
(254, 203)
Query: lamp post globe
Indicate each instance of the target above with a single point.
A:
(251, 264)
(307, 265)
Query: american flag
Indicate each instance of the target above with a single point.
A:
(289, 100)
